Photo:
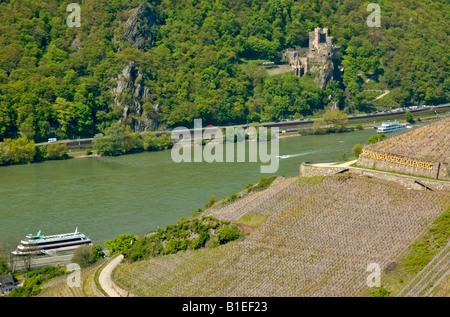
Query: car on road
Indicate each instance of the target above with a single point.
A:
(52, 140)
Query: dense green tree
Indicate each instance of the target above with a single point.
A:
(409, 117)
(356, 150)
(56, 151)
(203, 59)
(87, 255)
(120, 243)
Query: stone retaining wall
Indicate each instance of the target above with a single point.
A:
(311, 171)
(402, 164)
(408, 182)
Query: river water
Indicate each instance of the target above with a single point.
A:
(138, 193)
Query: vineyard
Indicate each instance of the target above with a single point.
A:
(432, 275)
(428, 143)
(316, 237)
(59, 287)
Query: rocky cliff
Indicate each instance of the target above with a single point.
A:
(139, 28)
(131, 96)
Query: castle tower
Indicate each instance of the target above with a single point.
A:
(318, 58)
(320, 43)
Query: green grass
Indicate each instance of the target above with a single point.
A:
(254, 219)
(310, 181)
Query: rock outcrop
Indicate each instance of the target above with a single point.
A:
(130, 96)
(139, 28)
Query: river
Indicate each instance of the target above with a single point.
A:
(137, 193)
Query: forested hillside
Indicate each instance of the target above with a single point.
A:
(160, 63)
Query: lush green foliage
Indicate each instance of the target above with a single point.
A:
(35, 279)
(232, 198)
(265, 182)
(17, 151)
(380, 292)
(356, 150)
(3, 267)
(87, 255)
(409, 117)
(120, 243)
(56, 151)
(376, 138)
(425, 249)
(212, 201)
(119, 140)
(22, 150)
(185, 234)
(204, 61)
(227, 234)
(332, 121)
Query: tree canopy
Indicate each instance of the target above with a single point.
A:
(201, 59)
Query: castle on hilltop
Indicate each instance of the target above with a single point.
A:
(318, 58)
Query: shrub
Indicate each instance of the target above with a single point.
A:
(409, 117)
(356, 150)
(120, 243)
(227, 234)
(175, 245)
(17, 151)
(201, 240)
(35, 279)
(56, 151)
(211, 202)
(175, 238)
(3, 267)
(87, 255)
(232, 197)
(376, 138)
(343, 156)
(149, 141)
(265, 182)
(380, 292)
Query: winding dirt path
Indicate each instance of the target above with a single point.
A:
(105, 277)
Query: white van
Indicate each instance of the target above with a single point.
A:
(52, 140)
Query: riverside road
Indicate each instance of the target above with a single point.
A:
(289, 126)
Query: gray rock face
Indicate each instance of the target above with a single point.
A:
(138, 28)
(130, 95)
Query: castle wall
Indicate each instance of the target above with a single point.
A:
(318, 57)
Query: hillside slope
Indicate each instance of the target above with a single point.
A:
(318, 237)
(151, 63)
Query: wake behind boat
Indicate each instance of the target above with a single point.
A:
(39, 244)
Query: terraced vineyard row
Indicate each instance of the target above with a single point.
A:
(255, 201)
(434, 273)
(318, 239)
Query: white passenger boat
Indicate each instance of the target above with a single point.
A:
(388, 126)
(40, 244)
